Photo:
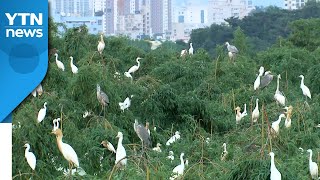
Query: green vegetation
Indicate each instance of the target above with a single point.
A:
(195, 95)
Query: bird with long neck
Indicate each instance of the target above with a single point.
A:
(255, 112)
(59, 63)
(275, 174)
(313, 167)
(121, 152)
(101, 44)
(275, 125)
(225, 152)
(74, 68)
(287, 123)
(66, 150)
(278, 96)
(31, 158)
(178, 170)
(304, 88)
(257, 81)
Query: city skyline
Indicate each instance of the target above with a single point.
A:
(264, 3)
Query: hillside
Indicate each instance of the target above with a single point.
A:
(195, 95)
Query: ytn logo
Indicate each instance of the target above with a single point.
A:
(23, 25)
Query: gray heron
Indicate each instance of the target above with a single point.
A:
(266, 79)
(142, 134)
(102, 98)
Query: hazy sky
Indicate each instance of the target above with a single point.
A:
(255, 2)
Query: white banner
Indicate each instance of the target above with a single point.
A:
(6, 151)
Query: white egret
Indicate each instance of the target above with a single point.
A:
(275, 124)
(304, 88)
(255, 113)
(240, 115)
(59, 63)
(86, 114)
(275, 174)
(128, 75)
(31, 158)
(108, 145)
(313, 167)
(147, 128)
(191, 49)
(231, 49)
(101, 44)
(183, 52)
(74, 68)
(56, 124)
(224, 152)
(154, 44)
(39, 89)
(125, 104)
(42, 113)
(135, 67)
(278, 96)
(157, 148)
(207, 140)
(66, 150)
(171, 156)
(121, 152)
(257, 81)
(178, 170)
(172, 139)
(287, 123)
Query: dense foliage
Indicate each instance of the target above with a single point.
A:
(262, 27)
(195, 95)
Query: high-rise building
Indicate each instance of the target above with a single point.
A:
(99, 5)
(161, 17)
(294, 4)
(80, 8)
(110, 17)
(218, 10)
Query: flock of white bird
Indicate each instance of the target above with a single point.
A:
(143, 132)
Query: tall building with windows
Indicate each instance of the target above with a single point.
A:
(161, 17)
(78, 8)
(218, 10)
(294, 4)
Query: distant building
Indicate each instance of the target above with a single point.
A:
(94, 24)
(79, 8)
(110, 17)
(99, 5)
(218, 10)
(294, 4)
(161, 17)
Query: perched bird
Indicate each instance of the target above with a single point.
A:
(74, 68)
(121, 152)
(207, 140)
(42, 113)
(102, 97)
(257, 81)
(231, 49)
(142, 134)
(154, 44)
(101, 44)
(275, 174)
(86, 114)
(313, 167)
(183, 52)
(287, 123)
(128, 75)
(255, 112)
(304, 88)
(31, 158)
(178, 170)
(59, 63)
(240, 115)
(66, 150)
(157, 148)
(125, 104)
(266, 79)
(108, 145)
(172, 139)
(135, 67)
(278, 96)
(224, 153)
(191, 49)
(275, 124)
(39, 89)
(56, 124)
(147, 128)
(171, 156)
